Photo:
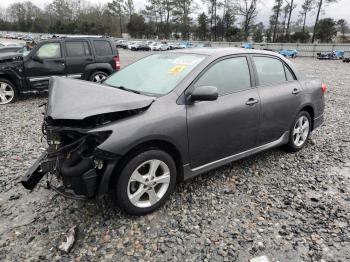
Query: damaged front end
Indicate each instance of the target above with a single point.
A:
(71, 116)
(73, 158)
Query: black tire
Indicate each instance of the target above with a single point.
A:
(9, 86)
(292, 145)
(93, 77)
(120, 187)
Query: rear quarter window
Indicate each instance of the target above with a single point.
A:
(103, 48)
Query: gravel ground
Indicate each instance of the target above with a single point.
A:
(289, 207)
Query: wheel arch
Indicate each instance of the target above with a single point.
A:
(311, 111)
(159, 144)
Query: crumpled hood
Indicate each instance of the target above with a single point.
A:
(78, 99)
(10, 56)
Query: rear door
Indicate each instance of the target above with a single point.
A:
(281, 97)
(104, 52)
(50, 62)
(229, 125)
(78, 56)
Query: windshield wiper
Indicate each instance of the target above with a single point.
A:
(126, 89)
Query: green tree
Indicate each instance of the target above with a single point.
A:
(343, 28)
(300, 37)
(258, 33)
(116, 7)
(320, 4)
(202, 29)
(326, 30)
(136, 26)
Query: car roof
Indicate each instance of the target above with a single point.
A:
(223, 51)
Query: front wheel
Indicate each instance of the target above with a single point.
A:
(300, 131)
(8, 92)
(145, 182)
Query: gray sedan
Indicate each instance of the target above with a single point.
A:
(169, 117)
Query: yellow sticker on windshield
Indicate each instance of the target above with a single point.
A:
(177, 69)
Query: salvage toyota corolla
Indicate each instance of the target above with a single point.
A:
(169, 117)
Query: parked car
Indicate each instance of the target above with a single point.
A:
(120, 43)
(10, 49)
(149, 124)
(200, 45)
(85, 58)
(185, 44)
(247, 45)
(153, 45)
(335, 55)
(288, 53)
(160, 47)
(143, 47)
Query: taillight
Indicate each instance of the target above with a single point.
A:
(324, 88)
(117, 62)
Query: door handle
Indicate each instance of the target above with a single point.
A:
(295, 91)
(252, 101)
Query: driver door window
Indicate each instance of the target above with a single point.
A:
(49, 51)
(228, 76)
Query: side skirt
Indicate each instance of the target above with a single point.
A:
(190, 173)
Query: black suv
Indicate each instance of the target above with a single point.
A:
(88, 58)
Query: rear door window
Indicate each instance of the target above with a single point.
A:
(228, 76)
(103, 48)
(270, 70)
(78, 49)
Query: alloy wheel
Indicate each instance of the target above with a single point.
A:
(148, 183)
(7, 93)
(99, 77)
(301, 131)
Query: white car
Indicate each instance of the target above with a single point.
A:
(161, 47)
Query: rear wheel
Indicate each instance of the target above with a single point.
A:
(98, 76)
(300, 131)
(145, 182)
(8, 92)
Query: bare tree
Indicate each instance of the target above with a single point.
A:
(248, 10)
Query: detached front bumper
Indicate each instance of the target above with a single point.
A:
(80, 177)
(35, 173)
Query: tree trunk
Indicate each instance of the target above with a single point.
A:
(290, 15)
(304, 22)
(316, 22)
(276, 22)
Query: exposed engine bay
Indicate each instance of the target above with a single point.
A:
(73, 156)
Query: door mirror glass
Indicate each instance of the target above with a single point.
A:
(204, 93)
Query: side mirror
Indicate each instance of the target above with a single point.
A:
(37, 59)
(204, 93)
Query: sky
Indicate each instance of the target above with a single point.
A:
(339, 10)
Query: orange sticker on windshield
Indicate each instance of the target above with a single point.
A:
(177, 69)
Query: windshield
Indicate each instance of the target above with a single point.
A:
(155, 74)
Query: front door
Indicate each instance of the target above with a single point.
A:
(47, 60)
(229, 125)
